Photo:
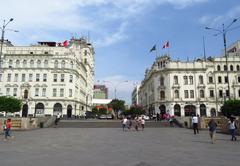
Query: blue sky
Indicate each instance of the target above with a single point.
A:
(123, 31)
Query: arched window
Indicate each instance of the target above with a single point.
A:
(56, 64)
(162, 95)
(39, 109)
(24, 63)
(57, 109)
(162, 81)
(71, 64)
(200, 79)
(177, 110)
(203, 110)
(225, 67)
(25, 94)
(219, 68)
(32, 63)
(63, 64)
(38, 64)
(46, 63)
(10, 63)
(231, 67)
(17, 63)
(238, 68)
(176, 94)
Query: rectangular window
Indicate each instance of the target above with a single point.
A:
(62, 77)
(70, 92)
(226, 79)
(61, 92)
(36, 91)
(238, 79)
(0, 77)
(55, 78)
(44, 77)
(202, 94)
(54, 92)
(37, 77)
(8, 92)
(23, 77)
(210, 79)
(30, 77)
(185, 80)
(219, 79)
(191, 93)
(227, 93)
(16, 78)
(200, 79)
(175, 80)
(211, 93)
(191, 80)
(239, 93)
(15, 92)
(44, 92)
(186, 93)
(9, 78)
(71, 78)
(220, 93)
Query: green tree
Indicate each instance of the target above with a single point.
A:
(102, 111)
(231, 107)
(137, 110)
(10, 104)
(117, 105)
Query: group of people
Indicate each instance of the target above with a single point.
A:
(136, 123)
(7, 129)
(212, 126)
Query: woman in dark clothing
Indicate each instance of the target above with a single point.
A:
(212, 125)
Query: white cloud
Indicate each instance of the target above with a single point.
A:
(73, 16)
(216, 20)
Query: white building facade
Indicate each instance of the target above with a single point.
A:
(135, 95)
(186, 88)
(49, 79)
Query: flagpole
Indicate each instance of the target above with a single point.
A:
(204, 48)
(156, 51)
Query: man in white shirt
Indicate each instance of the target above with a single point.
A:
(124, 123)
(195, 124)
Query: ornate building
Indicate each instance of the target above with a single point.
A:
(49, 77)
(184, 88)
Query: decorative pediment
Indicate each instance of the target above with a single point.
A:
(25, 85)
(36, 86)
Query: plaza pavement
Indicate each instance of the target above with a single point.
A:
(112, 147)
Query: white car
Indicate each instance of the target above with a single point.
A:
(145, 117)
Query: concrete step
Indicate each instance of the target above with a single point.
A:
(103, 124)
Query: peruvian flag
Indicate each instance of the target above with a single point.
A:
(165, 45)
(65, 43)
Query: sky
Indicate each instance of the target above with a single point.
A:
(123, 31)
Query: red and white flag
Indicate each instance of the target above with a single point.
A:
(165, 45)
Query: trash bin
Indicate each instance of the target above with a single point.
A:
(41, 124)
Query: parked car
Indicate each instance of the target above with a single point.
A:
(145, 117)
(103, 117)
(109, 116)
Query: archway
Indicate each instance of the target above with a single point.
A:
(25, 110)
(25, 94)
(203, 110)
(69, 111)
(57, 109)
(39, 110)
(177, 110)
(190, 110)
(213, 112)
(162, 110)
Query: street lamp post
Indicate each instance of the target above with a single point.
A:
(115, 87)
(224, 32)
(3, 29)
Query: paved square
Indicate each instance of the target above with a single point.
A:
(112, 147)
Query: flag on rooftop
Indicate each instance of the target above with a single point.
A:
(165, 45)
(153, 48)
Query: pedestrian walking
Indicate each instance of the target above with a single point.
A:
(195, 124)
(58, 117)
(212, 125)
(143, 123)
(136, 123)
(129, 124)
(7, 129)
(232, 128)
(124, 123)
(158, 116)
